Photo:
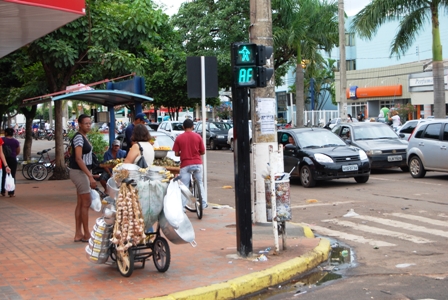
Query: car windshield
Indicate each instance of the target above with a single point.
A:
(373, 133)
(177, 126)
(220, 126)
(164, 140)
(319, 139)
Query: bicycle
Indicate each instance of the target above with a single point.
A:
(39, 171)
(196, 191)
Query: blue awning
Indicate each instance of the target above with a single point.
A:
(105, 97)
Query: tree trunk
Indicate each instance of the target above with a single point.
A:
(60, 171)
(439, 90)
(437, 66)
(300, 98)
(29, 117)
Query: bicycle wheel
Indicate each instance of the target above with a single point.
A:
(25, 173)
(161, 254)
(198, 196)
(39, 172)
(125, 262)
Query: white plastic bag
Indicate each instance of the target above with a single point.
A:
(96, 201)
(172, 205)
(150, 196)
(9, 183)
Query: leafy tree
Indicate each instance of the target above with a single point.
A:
(209, 27)
(114, 38)
(412, 15)
(307, 37)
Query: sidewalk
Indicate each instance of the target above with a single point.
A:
(40, 260)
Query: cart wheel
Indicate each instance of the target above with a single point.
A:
(113, 253)
(161, 254)
(125, 263)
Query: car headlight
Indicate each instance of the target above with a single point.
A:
(322, 158)
(221, 137)
(362, 155)
(373, 152)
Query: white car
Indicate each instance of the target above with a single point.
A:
(172, 128)
(230, 136)
(407, 128)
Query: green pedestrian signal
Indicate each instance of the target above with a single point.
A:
(244, 54)
(247, 61)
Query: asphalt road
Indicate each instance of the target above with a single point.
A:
(399, 233)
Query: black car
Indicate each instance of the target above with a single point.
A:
(382, 145)
(317, 154)
(216, 134)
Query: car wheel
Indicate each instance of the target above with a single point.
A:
(212, 144)
(416, 167)
(405, 169)
(232, 145)
(306, 177)
(361, 179)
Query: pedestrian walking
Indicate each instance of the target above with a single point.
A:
(11, 148)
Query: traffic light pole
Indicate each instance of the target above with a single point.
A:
(242, 171)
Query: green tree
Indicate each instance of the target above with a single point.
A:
(412, 16)
(307, 38)
(114, 38)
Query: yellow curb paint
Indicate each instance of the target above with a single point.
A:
(257, 281)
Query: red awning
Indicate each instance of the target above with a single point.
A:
(160, 109)
(22, 22)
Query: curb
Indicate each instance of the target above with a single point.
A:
(258, 281)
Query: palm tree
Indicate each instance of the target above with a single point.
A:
(412, 15)
(312, 27)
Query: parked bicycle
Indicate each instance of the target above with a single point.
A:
(39, 170)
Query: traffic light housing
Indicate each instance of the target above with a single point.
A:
(248, 60)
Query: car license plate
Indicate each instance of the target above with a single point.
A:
(394, 158)
(349, 168)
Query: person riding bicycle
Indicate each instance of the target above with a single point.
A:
(189, 147)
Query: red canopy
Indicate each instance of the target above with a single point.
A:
(23, 21)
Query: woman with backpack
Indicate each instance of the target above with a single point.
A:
(10, 149)
(81, 162)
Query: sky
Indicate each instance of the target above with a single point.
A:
(351, 6)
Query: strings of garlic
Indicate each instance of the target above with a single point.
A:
(129, 224)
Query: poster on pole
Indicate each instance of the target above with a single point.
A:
(266, 111)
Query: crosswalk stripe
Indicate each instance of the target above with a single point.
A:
(379, 231)
(311, 205)
(348, 236)
(419, 218)
(404, 225)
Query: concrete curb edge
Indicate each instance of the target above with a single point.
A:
(255, 282)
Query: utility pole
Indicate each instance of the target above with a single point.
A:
(260, 32)
(342, 64)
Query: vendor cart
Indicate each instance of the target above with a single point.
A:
(134, 204)
(154, 245)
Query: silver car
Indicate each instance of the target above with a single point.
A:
(428, 148)
(382, 145)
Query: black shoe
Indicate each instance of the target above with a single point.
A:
(3, 194)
